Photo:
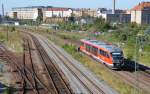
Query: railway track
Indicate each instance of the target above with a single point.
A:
(90, 84)
(30, 83)
(49, 84)
(95, 90)
(28, 63)
(20, 70)
(59, 83)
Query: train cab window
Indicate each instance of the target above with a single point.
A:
(117, 55)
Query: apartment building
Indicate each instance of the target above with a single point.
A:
(55, 12)
(84, 12)
(141, 13)
(29, 13)
(120, 16)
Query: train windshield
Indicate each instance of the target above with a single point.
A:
(117, 56)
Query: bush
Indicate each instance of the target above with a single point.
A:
(2, 37)
(7, 91)
(13, 29)
(130, 57)
(70, 48)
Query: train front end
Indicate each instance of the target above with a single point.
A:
(118, 59)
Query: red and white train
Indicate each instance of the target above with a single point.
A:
(106, 53)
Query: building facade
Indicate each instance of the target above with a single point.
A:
(140, 14)
(56, 13)
(28, 13)
(120, 16)
(48, 13)
(84, 12)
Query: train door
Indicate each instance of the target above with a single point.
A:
(107, 58)
(103, 55)
(99, 54)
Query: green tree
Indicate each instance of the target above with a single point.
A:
(71, 19)
(101, 24)
(39, 19)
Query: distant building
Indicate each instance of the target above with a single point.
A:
(141, 13)
(55, 12)
(29, 13)
(85, 12)
(102, 11)
(77, 12)
(48, 13)
(120, 16)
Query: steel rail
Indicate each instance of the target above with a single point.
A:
(57, 53)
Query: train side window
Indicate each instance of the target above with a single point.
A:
(94, 50)
(107, 55)
(103, 53)
(100, 51)
(88, 47)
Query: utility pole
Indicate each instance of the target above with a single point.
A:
(136, 65)
(7, 33)
(3, 10)
(3, 19)
(3, 13)
(114, 6)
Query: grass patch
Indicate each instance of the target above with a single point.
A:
(14, 42)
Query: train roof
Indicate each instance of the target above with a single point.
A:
(101, 44)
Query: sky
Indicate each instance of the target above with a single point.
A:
(120, 4)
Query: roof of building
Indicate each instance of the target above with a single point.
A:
(141, 6)
(109, 47)
(57, 9)
(33, 7)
